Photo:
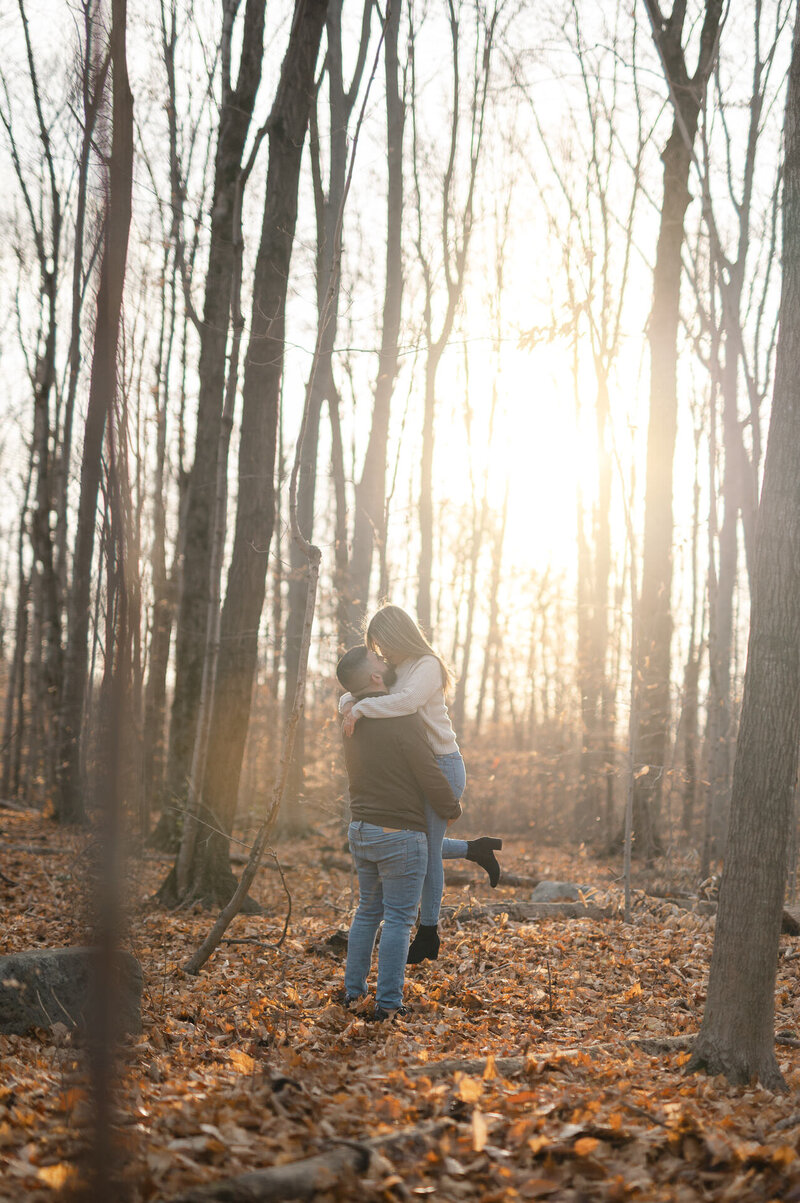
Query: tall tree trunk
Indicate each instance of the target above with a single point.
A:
(370, 493)
(14, 721)
(490, 654)
(102, 391)
(209, 876)
(92, 85)
(739, 472)
(234, 123)
(655, 616)
(721, 627)
(455, 234)
(688, 723)
(736, 1036)
(328, 207)
(480, 519)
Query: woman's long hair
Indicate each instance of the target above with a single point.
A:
(392, 630)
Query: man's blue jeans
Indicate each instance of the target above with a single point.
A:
(391, 868)
(438, 847)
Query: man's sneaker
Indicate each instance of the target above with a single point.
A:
(379, 1014)
(343, 999)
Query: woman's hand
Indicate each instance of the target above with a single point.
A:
(349, 721)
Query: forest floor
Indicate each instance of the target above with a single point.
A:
(251, 1064)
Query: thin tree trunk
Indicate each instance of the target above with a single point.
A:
(110, 778)
(370, 494)
(455, 242)
(688, 724)
(102, 390)
(655, 633)
(328, 206)
(493, 636)
(480, 518)
(92, 92)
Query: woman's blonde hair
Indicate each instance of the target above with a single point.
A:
(392, 630)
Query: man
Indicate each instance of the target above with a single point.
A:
(392, 770)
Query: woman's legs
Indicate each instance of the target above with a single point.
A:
(433, 887)
(453, 849)
(425, 945)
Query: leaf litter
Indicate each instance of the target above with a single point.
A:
(253, 1063)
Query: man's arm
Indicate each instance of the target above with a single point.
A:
(423, 681)
(427, 774)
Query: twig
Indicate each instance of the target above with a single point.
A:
(791, 1121)
(637, 1110)
(279, 867)
(549, 985)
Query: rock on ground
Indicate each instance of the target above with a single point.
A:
(560, 891)
(53, 985)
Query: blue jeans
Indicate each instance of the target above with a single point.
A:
(440, 848)
(391, 868)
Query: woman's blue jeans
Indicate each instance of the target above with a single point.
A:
(440, 848)
(391, 868)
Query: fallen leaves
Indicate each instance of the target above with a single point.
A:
(253, 1065)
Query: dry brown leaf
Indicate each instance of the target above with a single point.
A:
(539, 1188)
(480, 1131)
(469, 1089)
(58, 1176)
(243, 1062)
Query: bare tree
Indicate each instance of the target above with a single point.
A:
(686, 94)
(733, 359)
(236, 108)
(328, 202)
(455, 235)
(208, 876)
(370, 493)
(736, 1036)
(102, 390)
(45, 194)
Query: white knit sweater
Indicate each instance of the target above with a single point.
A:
(418, 689)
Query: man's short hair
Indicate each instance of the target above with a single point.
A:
(353, 670)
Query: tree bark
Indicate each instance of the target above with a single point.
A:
(736, 1036)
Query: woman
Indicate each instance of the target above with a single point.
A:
(420, 686)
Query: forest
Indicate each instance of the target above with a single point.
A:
(466, 329)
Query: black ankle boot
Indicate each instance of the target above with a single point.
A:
(424, 946)
(481, 851)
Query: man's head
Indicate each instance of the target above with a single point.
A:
(363, 671)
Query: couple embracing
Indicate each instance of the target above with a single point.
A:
(406, 777)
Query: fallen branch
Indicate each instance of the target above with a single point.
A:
(528, 912)
(452, 877)
(236, 858)
(457, 877)
(507, 1067)
(38, 849)
(313, 1175)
